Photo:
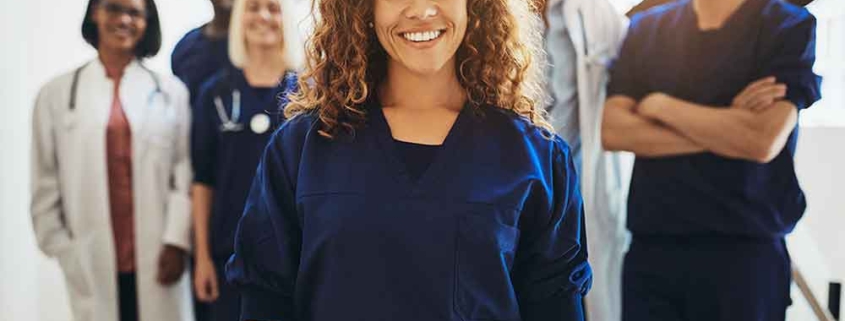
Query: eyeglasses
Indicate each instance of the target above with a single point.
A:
(114, 10)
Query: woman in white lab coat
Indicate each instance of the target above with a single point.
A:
(583, 37)
(111, 172)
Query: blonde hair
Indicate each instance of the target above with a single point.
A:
(294, 26)
(499, 63)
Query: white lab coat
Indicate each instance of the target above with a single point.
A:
(70, 200)
(597, 30)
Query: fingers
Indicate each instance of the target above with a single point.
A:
(169, 277)
(170, 267)
(205, 281)
(748, 93)
(761, 96)
(199, 288)
(162, 266)
(767, 97)
(761, 83)
(173, 273)
(215, 290)
(165, 275)
(768, 91)
(206, 288)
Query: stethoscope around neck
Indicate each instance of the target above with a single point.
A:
(230, 124)
(259, 124)
(74, 87)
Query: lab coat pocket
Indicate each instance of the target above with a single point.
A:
(485, 252)
(160, 145)
(68, 120)
(75, 277)
(160, 137)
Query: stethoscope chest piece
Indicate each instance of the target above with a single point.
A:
(260, 123)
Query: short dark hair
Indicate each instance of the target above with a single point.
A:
(150, 43)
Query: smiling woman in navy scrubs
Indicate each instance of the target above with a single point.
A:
(234, 118)
(416, 179)
(706, 93)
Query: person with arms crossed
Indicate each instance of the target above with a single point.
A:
(707, 95)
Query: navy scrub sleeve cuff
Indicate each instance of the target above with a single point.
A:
(262, 305)
(560, 299)
(204, 180)
(554, 274)
(792, 63)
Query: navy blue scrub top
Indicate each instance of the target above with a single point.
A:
(226, 160)
(706, 194)
(337, 230)
(416, 157)
(196, 58)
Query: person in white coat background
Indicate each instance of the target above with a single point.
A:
(583, 36)
(111, 173)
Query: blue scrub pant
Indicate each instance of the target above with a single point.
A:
(227, 307)
(714, 278)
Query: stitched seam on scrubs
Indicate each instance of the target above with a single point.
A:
(455, 268)
(316, 194)
(422, 198)
(263, 239)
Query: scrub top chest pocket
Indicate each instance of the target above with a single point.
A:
(457, 255)
(484, 257)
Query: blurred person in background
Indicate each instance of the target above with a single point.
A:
(202, 52)
(235, 115)
(582, 37)
(707, 94)
(205, 50)
(111, 173)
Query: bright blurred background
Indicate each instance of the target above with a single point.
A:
(41, 38)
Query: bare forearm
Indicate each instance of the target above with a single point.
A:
(622, 129)
(202, 196)
(729, 132)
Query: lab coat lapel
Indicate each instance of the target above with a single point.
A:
(142, 106)
(91, 105)
(597, 30)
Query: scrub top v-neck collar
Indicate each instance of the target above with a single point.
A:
(705, 53)
(434, 173)
(739, 17)
(268, 103)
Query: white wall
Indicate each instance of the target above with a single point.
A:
(41, 38)
(817, 244)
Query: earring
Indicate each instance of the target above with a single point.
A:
(370, 25)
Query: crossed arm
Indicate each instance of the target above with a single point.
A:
(755, 128)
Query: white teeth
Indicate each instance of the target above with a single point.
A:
(422, 36)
